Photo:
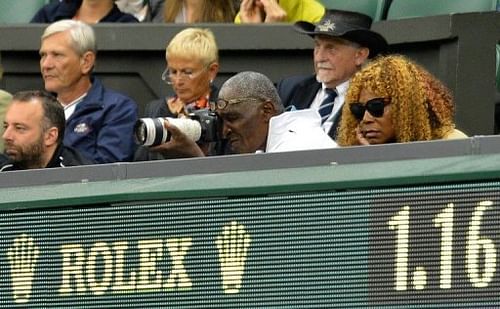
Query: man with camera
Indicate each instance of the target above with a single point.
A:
(251, 118)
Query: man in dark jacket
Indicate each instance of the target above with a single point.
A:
(34, 131)
(343, 42)
(99, 121)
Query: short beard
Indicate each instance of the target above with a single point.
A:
(30, 157)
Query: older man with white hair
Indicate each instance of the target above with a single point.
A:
(343, 43)
(254, 120)
(99, 121)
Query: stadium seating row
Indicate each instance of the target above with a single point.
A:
(22, 11)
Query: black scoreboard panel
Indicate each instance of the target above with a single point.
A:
(406, 247)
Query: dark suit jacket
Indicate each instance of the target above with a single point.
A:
(300, 92)
(57, 10)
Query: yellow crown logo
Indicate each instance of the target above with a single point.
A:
(233, 245)
(22, 256)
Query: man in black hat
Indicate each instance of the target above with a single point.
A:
(343, 42)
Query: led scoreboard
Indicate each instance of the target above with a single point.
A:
(405, 247)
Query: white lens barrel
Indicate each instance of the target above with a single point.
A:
(154, 132)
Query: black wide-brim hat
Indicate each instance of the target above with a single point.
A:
(351, 26)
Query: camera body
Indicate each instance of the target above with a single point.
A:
(202, 126)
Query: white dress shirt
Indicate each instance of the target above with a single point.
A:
(337, 104)
(69, 109)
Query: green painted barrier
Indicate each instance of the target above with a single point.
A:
(409, 233)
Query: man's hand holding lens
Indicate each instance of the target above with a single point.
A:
(179, 145)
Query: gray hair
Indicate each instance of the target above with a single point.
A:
(251, 85)
(82, 35)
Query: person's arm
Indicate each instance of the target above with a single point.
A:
(258, 11)
(274, 12)
(249, 12)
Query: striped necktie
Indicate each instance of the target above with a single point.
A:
(326, 107)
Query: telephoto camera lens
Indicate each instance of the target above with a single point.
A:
(151, 132)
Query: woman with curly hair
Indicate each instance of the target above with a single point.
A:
(394, 100)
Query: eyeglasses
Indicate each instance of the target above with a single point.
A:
(222, 104)
(374, 106)
(186, 74)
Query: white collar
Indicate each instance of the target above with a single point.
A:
(341, 88)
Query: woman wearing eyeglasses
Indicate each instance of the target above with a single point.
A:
(394, 100)
(192, 65)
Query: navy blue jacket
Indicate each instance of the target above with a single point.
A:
(102, 125)
(66, 9)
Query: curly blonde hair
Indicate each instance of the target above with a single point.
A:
(421, 106)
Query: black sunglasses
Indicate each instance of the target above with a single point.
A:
(374, 106)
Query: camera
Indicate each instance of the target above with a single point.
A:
(201, 125)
